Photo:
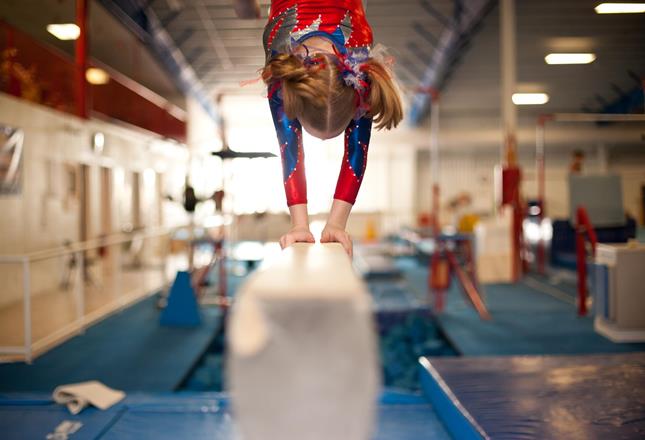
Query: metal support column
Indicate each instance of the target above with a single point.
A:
(436, 282)
(511, 174)
(508, 80)
(541, 188)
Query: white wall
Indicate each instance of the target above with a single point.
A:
(46, 213)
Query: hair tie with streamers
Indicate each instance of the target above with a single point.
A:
(352, 69)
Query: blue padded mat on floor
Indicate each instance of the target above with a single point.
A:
(525, 320)
(128, 351)
(539, 397)
(402, 416)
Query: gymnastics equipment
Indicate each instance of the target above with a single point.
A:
(602, 197)
(443, 261)
(182, 309)
(584, 229)
(302, 359)
(540, 154)
(619, 298)
(494, 248)
(454, 256)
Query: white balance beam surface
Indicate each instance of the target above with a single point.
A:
(302, 357)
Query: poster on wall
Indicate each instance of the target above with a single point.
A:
(11, 139)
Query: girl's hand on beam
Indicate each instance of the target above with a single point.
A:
(297, 234)
(335, 234)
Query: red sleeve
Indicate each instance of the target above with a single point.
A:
(357, 140)
(289, 133)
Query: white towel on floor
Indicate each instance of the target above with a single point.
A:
(77, 396)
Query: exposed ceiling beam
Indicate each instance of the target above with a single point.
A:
(467, 16)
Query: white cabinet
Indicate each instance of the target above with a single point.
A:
(620, 292)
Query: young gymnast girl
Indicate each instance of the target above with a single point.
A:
(321, 75)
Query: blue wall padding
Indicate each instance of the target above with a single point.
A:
(182, 309)
(563, 243)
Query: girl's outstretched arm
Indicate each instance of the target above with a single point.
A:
(289, 133)
(352, 169)
(247, 8)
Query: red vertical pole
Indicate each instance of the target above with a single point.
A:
(437, 283)
(581, 264)
(584, 228)
(517, 241)
(81, 59)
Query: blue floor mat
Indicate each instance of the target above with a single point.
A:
(525, 320)
(128, 351)
(540, 397)
(402, 416)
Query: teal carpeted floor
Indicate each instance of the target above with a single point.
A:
(128, 351)
(526, 320)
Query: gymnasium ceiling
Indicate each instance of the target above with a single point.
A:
(547, 26)
(223, 50)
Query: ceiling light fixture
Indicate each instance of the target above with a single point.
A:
(97, 76)
(64, 31)
(530, 98)
(570, 58)
(620, 8)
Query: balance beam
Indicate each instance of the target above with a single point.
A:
(302, 356)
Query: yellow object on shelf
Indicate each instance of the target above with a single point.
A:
(370, 231)
(467, 223)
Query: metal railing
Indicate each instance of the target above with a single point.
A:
(130, 266)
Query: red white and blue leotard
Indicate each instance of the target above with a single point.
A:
(343, 22)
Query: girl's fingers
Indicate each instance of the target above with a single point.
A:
(342, 238)
(347, 244)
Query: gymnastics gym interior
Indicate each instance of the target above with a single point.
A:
(496, 288)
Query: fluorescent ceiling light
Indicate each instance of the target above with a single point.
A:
(530, 98)
(570, 58)
(620, 8)
(97, 76)
(64, 31)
